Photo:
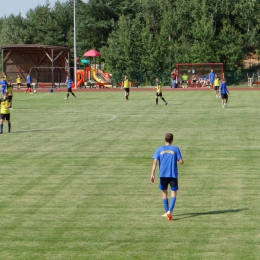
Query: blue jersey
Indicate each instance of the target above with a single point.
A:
(28, 79)
(4, 86)
(69, 83)
(212, 77)
(203, 78)
(168, 156)
(223, 88)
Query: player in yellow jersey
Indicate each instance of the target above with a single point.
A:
(9, 89)
(126, 85)
(5, 112)
(159, 92)
(216, 85)
(19, 81)
(5, 76)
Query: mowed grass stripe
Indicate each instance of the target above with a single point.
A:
(78, 188)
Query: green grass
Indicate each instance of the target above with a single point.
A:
(74, 179)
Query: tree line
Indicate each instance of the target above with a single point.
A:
(147, 36)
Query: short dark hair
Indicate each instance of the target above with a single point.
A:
(169, 138)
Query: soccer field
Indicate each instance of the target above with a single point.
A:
(75, 177)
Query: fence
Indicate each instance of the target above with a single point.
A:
(140, 79)
(148, 79)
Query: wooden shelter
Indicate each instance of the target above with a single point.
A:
(45, 63)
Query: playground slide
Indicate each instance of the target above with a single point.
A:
(100, 78)
(80, 78)
(79, 83)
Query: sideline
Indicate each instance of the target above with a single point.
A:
(140, 89)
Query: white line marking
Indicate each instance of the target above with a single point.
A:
(113, 117)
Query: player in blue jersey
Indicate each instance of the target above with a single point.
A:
(211, 79)
(3, 83)
(28, 83)
(224, 93)
(167, 156)
(69, 83)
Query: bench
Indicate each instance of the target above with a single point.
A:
(34, 85)
(42, 85)
(94, 84)
(190, 84)
(15, 85)
(102, 85)
(256, 83)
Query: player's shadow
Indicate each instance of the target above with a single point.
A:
(215, 212)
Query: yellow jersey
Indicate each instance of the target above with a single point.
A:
(5, 104)
(126, 83)
(9, 89)
(159, 88)
(217, 82)
(18, 80)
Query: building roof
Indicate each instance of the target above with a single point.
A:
(33, 46)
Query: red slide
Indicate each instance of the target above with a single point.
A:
(80, 78)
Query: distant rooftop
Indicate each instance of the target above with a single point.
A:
(33, 46)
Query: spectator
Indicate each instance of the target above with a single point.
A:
(174, 76)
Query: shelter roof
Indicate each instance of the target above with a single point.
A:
(33, 47)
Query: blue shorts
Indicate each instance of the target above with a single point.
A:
(164, 182)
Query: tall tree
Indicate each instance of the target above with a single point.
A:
(42, 27)
(12, 30)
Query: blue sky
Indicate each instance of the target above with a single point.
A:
(22, 6)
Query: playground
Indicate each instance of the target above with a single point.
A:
(92, 75)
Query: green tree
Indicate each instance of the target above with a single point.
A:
(121, 48)
(62, 14)
(12, 30)
(42, 27)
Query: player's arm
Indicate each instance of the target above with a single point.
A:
(179, 157)
(227, 91)
(181, 161)
(153, 171)
(9, 104)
